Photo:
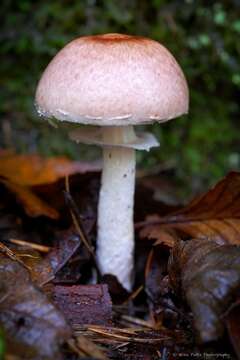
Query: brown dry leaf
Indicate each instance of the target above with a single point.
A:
(164, 236)
(45, 270)
(157, 286)
(19, 173)
(33, 327)
(216, 214)
(209, 275)
(31, 170)
(33, 205)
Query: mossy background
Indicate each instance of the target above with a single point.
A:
(204, 36)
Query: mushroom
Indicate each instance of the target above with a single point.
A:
(114, 81)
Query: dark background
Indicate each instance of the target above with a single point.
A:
(202, 35)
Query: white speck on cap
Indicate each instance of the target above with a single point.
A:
(113, 79)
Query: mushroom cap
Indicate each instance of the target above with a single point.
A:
(113, 79)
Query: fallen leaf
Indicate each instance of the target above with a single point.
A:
(33, 327)
(33, 205)
(31, 170)
(157, 287)
(232, 321)
(163, 235)
(216, 215)
(210, 278)
(45, 270)
(23, 174)
(155, 272)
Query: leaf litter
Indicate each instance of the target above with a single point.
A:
(216, 214)
(187, 279)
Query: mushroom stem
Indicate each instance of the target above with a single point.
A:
(115, 243)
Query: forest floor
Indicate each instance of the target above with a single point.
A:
(185, 301)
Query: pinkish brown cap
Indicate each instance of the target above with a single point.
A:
(113, 79)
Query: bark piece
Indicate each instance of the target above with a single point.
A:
(84, 304)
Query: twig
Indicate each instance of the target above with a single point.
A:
(134, 294)
(136, 321)
(77, 221)
(127, 337)
(31, 245)
(5, 250)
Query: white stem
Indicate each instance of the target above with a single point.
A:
(115, 240)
